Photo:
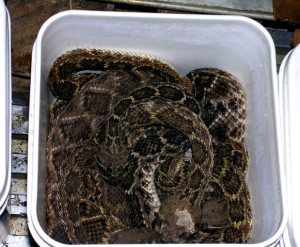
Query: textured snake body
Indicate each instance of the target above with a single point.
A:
(116, 152)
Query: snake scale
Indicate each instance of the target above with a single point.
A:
(137, 153)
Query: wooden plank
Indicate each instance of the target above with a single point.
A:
(19, 98)
(18, 186)
(92, 5)
(296, 38)
(18, 226)
(281, 37)
(20, 82)
(287, 10)
(20, 119)
(254, 9)
(19, 163)
(20, 85)
(19, 146)
(20, 73)
(30, 14)
(17, 205)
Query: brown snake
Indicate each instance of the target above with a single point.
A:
(118, 166)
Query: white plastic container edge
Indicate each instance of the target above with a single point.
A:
(37, 232)
(289, 92)
(5, 106)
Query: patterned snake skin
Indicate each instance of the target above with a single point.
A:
(140, 154)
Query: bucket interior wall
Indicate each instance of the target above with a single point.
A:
(233, 44)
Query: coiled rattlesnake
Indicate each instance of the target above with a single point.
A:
(118, 163)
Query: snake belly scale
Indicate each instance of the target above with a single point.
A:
(140, 154)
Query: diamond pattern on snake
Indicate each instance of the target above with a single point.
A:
(140, 154)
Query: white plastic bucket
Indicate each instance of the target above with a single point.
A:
(5, 106)
(289, 91)
(238, 45)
